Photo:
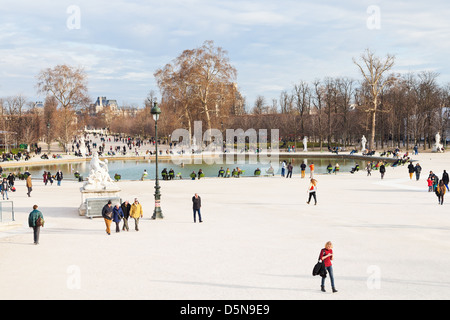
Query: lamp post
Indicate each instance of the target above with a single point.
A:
(157, 213)
(48, 138)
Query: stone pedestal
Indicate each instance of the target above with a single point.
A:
(96, 194)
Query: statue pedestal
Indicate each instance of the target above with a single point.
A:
(101, 195)
(438, 148)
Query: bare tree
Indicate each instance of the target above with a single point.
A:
(346, 92)
(302, 98)
(374, 70)
(260, 106)
(317, 101)
(69, 87)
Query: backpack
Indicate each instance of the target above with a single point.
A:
(40, 222)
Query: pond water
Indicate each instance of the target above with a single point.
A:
(133, 169)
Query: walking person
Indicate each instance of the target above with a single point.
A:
(416, 150)
(29, 185)
(11, 179)
(283, 168)
(117, 216)
(411, 170)
(435, 181)
(126, 207)
(418, 170)
(107, 214)
(445, 179)
(36, 221)
(369, 169)
(136, 213)
(50, 178)
(326, 255)
(440, 192)
(45, 177)
(196, 205)
(312, 191)
(59, 177)
(382, 170)
(4, 186)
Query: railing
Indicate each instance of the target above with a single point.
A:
(7, 211)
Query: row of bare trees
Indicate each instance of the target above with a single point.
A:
(200, 85)
(393, 110)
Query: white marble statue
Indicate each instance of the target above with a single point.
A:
(99, 178)
(363, 142)
(82, 147)
(438, 147)
(305, 144)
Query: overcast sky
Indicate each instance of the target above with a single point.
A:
(272, 44)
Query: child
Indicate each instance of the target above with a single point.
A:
(430, 184)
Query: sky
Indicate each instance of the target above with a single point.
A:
(272, 44)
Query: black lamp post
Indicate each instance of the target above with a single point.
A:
(157, 213)
(48, 138)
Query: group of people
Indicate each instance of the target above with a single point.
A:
(414, 169)
(48, 177)
(334, 170)
(289, 167)
(379, 165)
(438, 186)
(168, 175)
(9, 156)
(121, 213)
(236, 172)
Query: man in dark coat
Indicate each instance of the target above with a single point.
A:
(382, 170)
(411, 170)
(196, 205)
(445, 179)
(11, 179)
(107, 214)
(126, 206)
(59, 177)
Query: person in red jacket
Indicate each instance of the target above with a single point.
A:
(312, 191)
(326, 255)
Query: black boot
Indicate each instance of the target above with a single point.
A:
(322, 288)
(334, 290)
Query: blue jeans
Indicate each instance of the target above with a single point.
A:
(330, 273)
(199, 215)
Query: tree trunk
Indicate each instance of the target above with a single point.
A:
(372, 135)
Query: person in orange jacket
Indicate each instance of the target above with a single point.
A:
(136, 213)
